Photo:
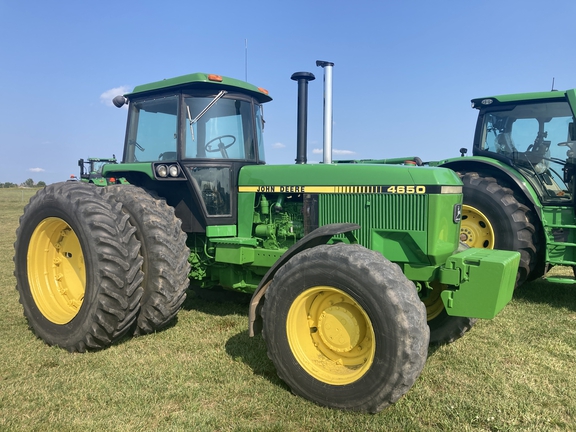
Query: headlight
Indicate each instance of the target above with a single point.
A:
(162, 170)
(174, 170)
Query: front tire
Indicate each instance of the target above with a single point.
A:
(492, 218)
(345, 328)
(77, 267)
(165, 256)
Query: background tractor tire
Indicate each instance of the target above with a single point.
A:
(165, 256)
(493, 218)
(77, 267)
(345, 328)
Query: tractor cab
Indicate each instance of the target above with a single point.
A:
(536, 137)
(194, 132)
(194, 125)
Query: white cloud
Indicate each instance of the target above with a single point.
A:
(278, 145)
(343, 152)
(36, 169)
(334, 151)
(108, 95)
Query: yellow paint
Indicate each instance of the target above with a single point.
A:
(56, 270)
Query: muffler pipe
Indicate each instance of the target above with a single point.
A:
(301, 144)
(327, 109)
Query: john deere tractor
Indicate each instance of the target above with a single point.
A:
(353, 269)
(519, 183)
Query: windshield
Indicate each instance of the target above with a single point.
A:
(533, 136)
(224, 131)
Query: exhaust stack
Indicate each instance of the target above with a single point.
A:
(301, 144)
(327, 109)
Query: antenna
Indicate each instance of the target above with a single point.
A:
(553, 84)
(246, 60)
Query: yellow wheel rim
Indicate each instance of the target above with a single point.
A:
(475, 229)
(56, 270)
(330, 335)
(434, 304)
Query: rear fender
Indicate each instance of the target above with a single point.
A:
(499, 170)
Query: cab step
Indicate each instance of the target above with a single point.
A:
(566, 280)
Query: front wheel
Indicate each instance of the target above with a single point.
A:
(345, 328)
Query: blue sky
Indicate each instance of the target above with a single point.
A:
(404, 72)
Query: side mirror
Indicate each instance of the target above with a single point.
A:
(119, 101)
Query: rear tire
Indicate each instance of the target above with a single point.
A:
(77, 267)
(492, 218)
(345, 328)
(165, 256)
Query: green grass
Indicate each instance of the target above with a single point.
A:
(516, 372)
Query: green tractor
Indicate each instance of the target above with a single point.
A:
(519, 183)
(353, 269)
(91, 169)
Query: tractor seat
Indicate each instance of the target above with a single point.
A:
(504, 143)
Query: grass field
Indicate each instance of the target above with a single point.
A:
(516, 372)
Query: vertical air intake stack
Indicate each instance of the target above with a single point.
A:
(327, 109)
(301, 144)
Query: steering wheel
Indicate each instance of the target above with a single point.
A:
(221, 146)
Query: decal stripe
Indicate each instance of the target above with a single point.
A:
(382, 189)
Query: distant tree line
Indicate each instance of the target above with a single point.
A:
(27, 183)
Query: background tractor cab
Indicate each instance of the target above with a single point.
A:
(198, 137)
(536, 138)
(91, 169)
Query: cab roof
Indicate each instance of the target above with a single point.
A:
(518, 97)
(202, 81)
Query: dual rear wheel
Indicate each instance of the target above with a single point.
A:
(93, 264)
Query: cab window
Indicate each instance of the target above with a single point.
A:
(152, 130)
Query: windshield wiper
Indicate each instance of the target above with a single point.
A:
(210, 105)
